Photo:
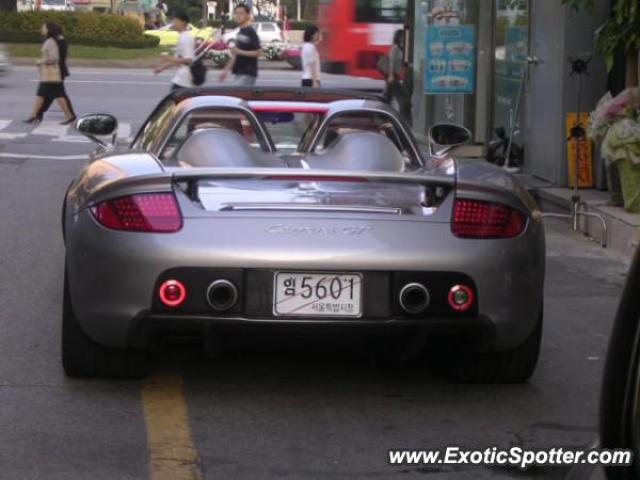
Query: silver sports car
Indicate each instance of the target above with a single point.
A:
(287, 208)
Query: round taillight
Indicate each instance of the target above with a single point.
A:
(461, 298)
(172, 293)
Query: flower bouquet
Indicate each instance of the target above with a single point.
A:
(615, 124)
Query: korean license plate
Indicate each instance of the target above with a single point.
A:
(317, 294)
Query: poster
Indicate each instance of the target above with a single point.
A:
(585, 179)
(450, 59)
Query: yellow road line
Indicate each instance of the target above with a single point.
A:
(172, 454)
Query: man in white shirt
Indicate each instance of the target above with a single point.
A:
(184, 54)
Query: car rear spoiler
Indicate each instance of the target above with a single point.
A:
(166, 181)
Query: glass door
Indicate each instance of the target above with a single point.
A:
(510, 68)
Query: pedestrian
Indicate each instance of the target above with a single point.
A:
(50, 86)
(63, 49)
(243, 63)
(395, 89)
(311, 57)
(183, 56)
(286, 27)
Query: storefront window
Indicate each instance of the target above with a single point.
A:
(511, 51)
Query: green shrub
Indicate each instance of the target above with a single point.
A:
(17, 36)
(82, 28)
(218, 23)
(300, 25)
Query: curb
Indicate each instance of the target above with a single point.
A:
(141, 63)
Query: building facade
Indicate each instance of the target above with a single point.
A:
(490, 64)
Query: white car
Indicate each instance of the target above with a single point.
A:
(268, 32)
(57, 6)
(4, 61)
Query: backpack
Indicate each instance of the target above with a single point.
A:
(198, 72)
(383, 64)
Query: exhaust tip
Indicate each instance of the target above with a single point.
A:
(222, 295)
(414, 298)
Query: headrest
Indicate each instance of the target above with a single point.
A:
(369, 151)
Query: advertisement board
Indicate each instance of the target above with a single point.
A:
(450, 59)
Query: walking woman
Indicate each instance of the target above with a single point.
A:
(396, 91)
(51, 66)
(311, 57)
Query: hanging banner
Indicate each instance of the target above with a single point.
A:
(450, 59)
(585, 179)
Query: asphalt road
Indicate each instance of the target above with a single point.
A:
(129, 94)
(316, 410)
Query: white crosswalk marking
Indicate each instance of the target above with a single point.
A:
(72, 139)
(53, 129)
(11, 136)
(124, 131)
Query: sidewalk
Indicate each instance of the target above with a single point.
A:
(623, 227)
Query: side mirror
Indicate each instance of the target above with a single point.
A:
(444, 137)
(98, 125)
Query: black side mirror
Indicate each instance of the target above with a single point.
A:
(98, 125)
(443, 137)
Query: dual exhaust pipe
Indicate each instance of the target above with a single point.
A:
(222, 295)
(414, 298)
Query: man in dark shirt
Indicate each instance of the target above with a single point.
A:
(244, 55)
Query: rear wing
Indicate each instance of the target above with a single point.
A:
(188, 179)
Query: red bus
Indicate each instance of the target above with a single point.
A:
(357, 32)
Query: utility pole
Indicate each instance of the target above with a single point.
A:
(299, 11)
(230, 9)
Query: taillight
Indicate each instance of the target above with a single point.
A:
(460, 298)
(172, 293)
(477, 219)
(145, 212)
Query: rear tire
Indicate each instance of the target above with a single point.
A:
(82, 357)
(512, 366)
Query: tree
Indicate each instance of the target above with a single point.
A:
(621, 32)
(8, 5)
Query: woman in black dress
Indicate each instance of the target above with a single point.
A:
(51, 66)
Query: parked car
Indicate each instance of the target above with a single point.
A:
(57, 6)
(268, 32)
(169, 37)
(243, 207)
(4, 61)
(293, 56)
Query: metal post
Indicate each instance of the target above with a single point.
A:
(578, 207)
(575, 199)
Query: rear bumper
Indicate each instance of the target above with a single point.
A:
(148, 329)
(113, 276)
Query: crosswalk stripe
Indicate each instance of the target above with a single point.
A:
(124, 130)
(4, 123)
(48, 128)
(72, 139)
(11, 136)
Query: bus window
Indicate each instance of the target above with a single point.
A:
(380, 11)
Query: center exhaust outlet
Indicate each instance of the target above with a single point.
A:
(222, 295)
(414, 298)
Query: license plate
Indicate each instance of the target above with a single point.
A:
(317, 294)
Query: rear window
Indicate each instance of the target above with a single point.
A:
(226, 118)
(289, 130)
